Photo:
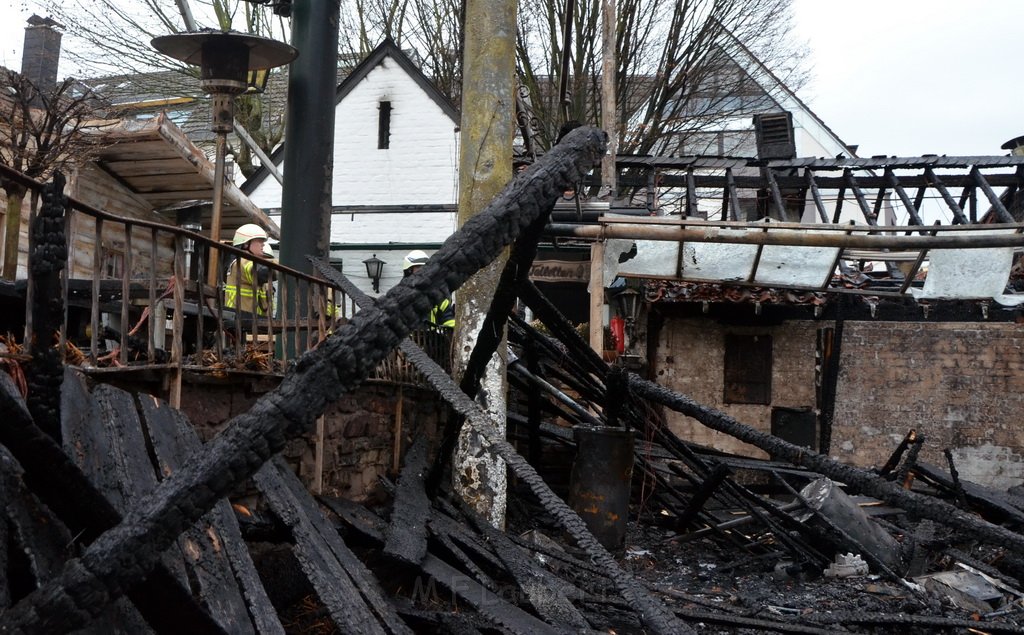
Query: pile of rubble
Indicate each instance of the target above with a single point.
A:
(116, 517)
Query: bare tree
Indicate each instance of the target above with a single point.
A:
(677, 77)
(109, 40)
(40, 133)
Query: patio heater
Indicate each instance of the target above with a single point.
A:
(229, 63)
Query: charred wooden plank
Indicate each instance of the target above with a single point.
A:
(993, 504)
(126, 554)
(651, 610)
(897, 622)
(201, 546)
(545, 592)
(224, 567)
(458, 585)
(463, 588)
(453, 623)
(407, 532)
(349, 591)
(64, 488)
(857, 478)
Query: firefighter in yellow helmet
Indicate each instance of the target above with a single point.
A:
(442, 315)
(246, 284)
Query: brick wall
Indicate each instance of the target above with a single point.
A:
(961, 385)
(690, 359)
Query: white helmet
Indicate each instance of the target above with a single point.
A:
(248, 232)
(414, 258)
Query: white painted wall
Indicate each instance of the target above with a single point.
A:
(419, 168)
(421, 165)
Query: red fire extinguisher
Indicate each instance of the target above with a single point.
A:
(618, 327)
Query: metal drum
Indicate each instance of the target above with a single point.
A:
(600, 483)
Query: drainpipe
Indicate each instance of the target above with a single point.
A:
(485, 167)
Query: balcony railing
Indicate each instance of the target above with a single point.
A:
(135, 294)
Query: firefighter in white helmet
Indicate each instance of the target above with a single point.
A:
(442, 315)
(246, 284)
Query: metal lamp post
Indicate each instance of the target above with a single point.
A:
(226, 60)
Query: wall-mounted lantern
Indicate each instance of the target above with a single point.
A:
(374, 269)
(628, 301)
(227, 62)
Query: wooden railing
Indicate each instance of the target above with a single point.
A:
(135, 295)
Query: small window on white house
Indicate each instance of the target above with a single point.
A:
(384, 126)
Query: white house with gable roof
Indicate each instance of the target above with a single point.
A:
(396, 152)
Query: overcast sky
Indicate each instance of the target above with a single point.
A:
(896, 77)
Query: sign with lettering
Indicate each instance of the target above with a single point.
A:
(560, 271)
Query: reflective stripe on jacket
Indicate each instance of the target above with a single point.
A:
(240, 286)
(443, 314)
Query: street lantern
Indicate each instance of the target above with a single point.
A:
(629, 304)
(374, 269)
(225, 59)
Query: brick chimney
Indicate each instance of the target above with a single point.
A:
(41, 52)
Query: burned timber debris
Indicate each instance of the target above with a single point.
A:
(116, 516)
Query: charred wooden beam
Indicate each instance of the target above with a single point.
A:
(749, 623)
(64, 488)
(407, 532)
(348, 590)
(904, 474)
(958, 488)
(990, 503)
(951, 203)
(897, 454)
(49, 254)
(123, 556)
(707, 489)
(897, 622)
(543, 590)
(857, 478)
(653, 612)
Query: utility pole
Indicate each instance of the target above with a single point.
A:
(309, 151)
(485, 167)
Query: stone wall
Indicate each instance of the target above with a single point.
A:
(359, 430)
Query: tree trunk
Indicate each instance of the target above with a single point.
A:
(485, 167)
